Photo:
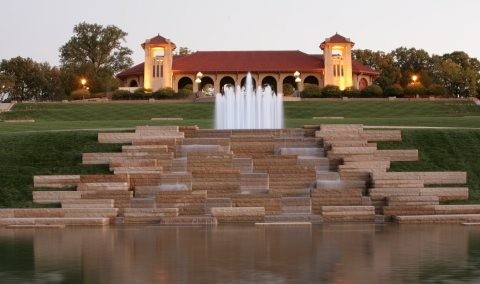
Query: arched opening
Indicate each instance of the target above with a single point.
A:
(289, 86)
(207, 86)
(311, 80)
(185, 83)
(270, 81)
(243, 82)
(362, 84)
(227, 80)
(133, 84)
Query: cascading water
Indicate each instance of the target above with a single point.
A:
(245, 108)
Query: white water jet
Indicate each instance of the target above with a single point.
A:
(245, 108)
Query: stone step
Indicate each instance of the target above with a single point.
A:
(239, 214)
(55, 221)
(142, 202)
(295, 217)
(412, 200)
(283, 224)
(447, 218)
(59, 213)
(56, 181)
(148, 215)
(302, 151)
(327, 175)
(189, 221)
(348, 213)
(87, 203)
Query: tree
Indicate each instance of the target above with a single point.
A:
(382, 62)
(413, 61)
(183, 51)
(96, 52)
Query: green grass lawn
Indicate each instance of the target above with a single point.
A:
(28, 149)
(57, 116)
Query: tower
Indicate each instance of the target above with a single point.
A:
(158, 63)
(337, 56)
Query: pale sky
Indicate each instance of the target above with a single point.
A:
(37, 28)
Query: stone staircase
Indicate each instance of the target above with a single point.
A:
(188, 176)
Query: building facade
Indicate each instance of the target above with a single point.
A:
(212, 70)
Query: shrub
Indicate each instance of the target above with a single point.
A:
(183, 93)
(415, 89)
(311, 91)
(331, 91)
(393, 91)
(437, 90)
(288, 89)
(164, 93)
(121, 95)
(80, 94)
(372, 91)
(351, 92)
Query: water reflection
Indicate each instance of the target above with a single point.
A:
(320, 254)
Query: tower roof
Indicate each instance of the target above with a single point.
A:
(336, 38)
(158, 39)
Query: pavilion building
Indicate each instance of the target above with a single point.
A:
(214, 69)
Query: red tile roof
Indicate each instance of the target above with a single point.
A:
(136, 70)
(248, 61)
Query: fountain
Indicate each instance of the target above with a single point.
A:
(245, 108)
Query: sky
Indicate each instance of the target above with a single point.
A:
(37, 28)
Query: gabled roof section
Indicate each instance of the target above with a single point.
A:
(247, 61)
(158, 39)
(336, 38)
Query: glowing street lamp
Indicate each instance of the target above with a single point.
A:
(83, 81)
(414, 79)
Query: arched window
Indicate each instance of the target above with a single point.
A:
(227, 80)
(133, 83)
(270, 81)
(185, 83)
(311, 80)
(362, 84)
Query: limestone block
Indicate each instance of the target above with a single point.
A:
(398, 155)
(145, 148)
(56, 181)
(446, 193)
(99, 186)
(450, 218)
(137, 170)
(382, 193)
(87, 203)
(55, 221)
(238, 214)
(147, 128)
(344, 127)
(403, 210)
(132, 162)
(412, 200)
(457, 209)
(54, 196)
(6, 213)
(189, 220)
(123, 137)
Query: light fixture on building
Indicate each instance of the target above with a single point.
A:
(199, 75)
(198, 80)
(297, 77)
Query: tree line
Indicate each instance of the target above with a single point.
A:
(97, 53)
(457, 71)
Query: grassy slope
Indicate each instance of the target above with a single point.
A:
(24, 155)
(443, 150)
(79, 116)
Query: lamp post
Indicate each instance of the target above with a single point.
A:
(198, 81)
(297, 81)
(83, 81)
(414, 79)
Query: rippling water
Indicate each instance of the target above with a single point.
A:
(242, 254)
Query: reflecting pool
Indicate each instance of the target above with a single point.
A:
(242, 254)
